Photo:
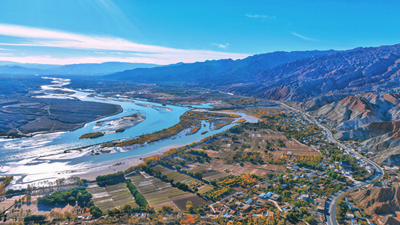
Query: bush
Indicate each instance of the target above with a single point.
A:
(95, 211)
(34, 219)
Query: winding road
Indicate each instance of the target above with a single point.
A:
(331, 203)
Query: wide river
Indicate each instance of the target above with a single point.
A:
(40, 158)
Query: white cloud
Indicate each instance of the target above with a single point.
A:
(60, 39)
(223, 46)
(260, 16)
(302, 37)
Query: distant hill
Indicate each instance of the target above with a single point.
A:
(73, 69)
(217, 72)
(13, 69)
(98, 69)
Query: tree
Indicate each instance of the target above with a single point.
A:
(166, 209)
(111, 213)
(95, 211)
(34, 219)
(200, 210)
(117, 212)
(127, 209)
(303, 210)
(286, 194)
(309, 219)
(150, 209)
(189, 207)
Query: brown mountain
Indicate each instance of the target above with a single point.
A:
(380, 203)
(351, 112)
(353, 71)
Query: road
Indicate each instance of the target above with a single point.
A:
(331, 205)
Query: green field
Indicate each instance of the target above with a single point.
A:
(178, 177)
(159, 193)
(111, 196)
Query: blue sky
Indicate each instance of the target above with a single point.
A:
(165, 32)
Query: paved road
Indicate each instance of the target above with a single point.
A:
(331, 205)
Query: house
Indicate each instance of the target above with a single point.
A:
(304, 197)
(345, 165)
(269, 213)
(275, 197)
(262, 195)
(369, 169)
(246, 208)
(267, 185)
(249, 201)
(321, 208)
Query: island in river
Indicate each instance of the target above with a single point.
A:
(114, 125)
(26, 116)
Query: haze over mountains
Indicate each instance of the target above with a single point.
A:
(73, 69)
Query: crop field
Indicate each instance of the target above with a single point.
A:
(236, 169)
(178, 177)
(209, 174)
(159, 193)
(111, 196)
(203, 189)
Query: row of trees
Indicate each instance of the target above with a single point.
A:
(139, 198)
(78, 194)
(110, 178)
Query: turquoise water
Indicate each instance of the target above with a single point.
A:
(41, 157)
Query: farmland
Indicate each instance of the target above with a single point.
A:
(159, 193)
(178, 177)
(111, 196)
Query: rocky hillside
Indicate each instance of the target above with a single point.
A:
(380, 202)
(350, 112)
(354, 71)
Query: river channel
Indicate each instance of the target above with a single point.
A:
(41, 157)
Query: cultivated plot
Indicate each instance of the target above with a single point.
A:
(111, 196)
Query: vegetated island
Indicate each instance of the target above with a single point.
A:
(189, 120)
(92, 135)
(119, 124)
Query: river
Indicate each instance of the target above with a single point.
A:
(41, 157)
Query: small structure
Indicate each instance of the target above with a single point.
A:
(304, 197)
(274, 197)
(345, 165)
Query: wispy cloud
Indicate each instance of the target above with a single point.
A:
(60, 39)
(303, 37)
(223, 46)
(260, 16)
